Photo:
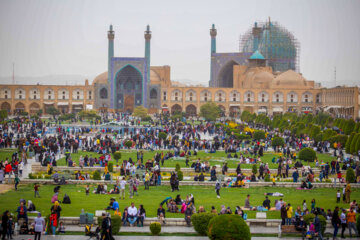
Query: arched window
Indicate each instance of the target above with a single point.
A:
(103, 93)
(153, 94)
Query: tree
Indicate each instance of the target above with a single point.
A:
(277, 142)
(117, 156)
(348, 142)
(315, 130)
(140, 112)
(210, 111)
(53, 111)
(254, 169)
(259, 134)
(88, 114)
(353, 144)
(162, 135)
(349, 127)
(3, 114)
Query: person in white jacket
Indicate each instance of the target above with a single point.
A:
(39, 226)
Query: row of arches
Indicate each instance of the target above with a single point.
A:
(249, 96)
(48, 94)
(34, 108)
(235, 111)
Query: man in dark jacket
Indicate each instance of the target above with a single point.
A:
(106, 231)
(283, 214)
(335, 221)
(317, 225)
(266, 203)
(4, 224)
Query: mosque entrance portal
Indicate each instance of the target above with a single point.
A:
(129, 103)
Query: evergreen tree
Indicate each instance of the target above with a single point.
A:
(353, 143)
(349, 127)
(348, 142)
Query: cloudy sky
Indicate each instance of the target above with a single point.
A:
(68, 37)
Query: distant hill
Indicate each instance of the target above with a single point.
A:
(49, 80)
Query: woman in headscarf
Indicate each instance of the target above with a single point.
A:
(57, 209)
(31, 207)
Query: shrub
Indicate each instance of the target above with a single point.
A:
(310, 217)
(31, 176)
(128, 144)
(177, 167)
(226, 227)
(115, 223)
(319, 137)
(277, 142)
(117, 155)
(97, 175)
(241, 136)
(259, 134)
(147, 118)
(200, 221)
(307, 154)
(162, 135)
(328, 133)
(155, 228)
(254, 169)
(350, 175)
(111, 167)
(180, 175)
(267, 178)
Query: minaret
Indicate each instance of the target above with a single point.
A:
(147, 35)
(111, 36)
(213, 33)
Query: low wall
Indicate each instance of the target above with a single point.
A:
(193, 183)
(36, 167)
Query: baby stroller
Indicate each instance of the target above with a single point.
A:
(92, 234)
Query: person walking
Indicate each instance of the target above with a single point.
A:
(335, 221)
(122, 188)
(217, 188)
(39, 226)
(351, 220)
(343, 222)
(16, 181)
(4, 224)
(317, 225)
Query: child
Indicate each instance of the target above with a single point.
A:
(338, 195)
(87, 190)
(36, 190)
(217, 188)
(61, 228)
(273, 181)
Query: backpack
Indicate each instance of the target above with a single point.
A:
(245, 216)
(66, 199)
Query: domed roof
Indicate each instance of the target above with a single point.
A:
(101, 78)
(257, 55)
(258, 79)
(290, 79)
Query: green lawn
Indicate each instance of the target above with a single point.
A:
(325, 198)
(214, 158)
(6, 153)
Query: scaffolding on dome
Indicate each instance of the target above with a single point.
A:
(279, 46)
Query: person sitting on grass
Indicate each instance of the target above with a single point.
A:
(161, 214)
(113, 205)
(266, 203)
(172, 207)
(178, 200)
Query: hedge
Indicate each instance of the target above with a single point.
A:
(310, 218)
(200, 221)
(228, 227)
(307, 154)
(155, 228)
